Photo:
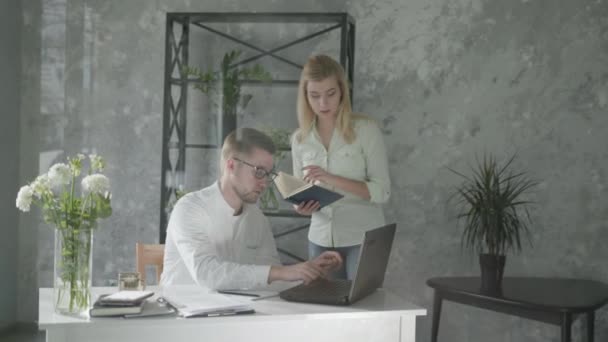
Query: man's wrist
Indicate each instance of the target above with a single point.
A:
(274, 273)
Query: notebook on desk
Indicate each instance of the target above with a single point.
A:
(373, 259)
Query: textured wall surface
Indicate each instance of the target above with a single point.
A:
(454, 78)
(10, 21)
(447, 79)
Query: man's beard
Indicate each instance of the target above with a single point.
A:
(250, 197)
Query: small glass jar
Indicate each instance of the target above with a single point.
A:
(130, 281)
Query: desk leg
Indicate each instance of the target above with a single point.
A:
(56, 335)
(590, 325)
(436, 315)
(566, 327)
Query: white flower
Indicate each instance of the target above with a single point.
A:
(97, 163)
(96, 183)
(24, 198)
(59, 174)
(76, 164)
(41, 185)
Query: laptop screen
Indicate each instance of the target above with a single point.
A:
(373, 260)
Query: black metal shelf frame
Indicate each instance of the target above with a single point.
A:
(176, 57)
(288, 213)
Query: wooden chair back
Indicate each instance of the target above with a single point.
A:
(149, 254)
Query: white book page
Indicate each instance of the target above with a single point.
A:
(268, 291)
(289, 185)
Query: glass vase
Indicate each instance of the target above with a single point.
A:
(72, 271)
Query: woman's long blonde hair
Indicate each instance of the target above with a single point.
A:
(318, 68)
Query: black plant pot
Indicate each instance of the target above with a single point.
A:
(492, 268)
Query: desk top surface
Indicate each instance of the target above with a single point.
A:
(558, 294)
(380, 303)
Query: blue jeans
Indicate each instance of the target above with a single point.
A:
(350, 257)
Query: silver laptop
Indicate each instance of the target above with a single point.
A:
(373, 259)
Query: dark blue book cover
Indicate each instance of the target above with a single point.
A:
(296, 191)
(315, 193)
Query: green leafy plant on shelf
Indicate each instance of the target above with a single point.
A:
(281, 139)
(229, 79)
(495, 213)
(178, 193)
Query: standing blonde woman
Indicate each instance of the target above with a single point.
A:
(346, 152)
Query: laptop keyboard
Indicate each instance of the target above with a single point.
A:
(323, 289)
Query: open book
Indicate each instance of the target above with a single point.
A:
(297, 191)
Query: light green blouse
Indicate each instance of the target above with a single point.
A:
(344, 222)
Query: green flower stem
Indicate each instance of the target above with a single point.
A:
(78, 268)
(75, 267)
(73, 248)
(74, 252)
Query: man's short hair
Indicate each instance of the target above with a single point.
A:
(243, 140)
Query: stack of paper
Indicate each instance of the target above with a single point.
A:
(191, 301)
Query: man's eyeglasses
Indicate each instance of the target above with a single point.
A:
(259, 172)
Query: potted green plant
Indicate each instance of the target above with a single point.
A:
(229, 78)
(281, 139)
(495, 214)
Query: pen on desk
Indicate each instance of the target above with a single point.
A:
(228, 312)
(264, 297)
(237, 293)
(217, 314)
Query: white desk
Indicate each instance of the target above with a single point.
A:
(381, 316)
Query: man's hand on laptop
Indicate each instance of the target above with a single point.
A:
(328, 261)
(306, 271)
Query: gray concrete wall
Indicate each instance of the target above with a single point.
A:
(448, 79)
(454, 78)
(10, 65)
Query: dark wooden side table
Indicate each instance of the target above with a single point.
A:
(551, 300)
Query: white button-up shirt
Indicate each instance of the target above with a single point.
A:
(344, 222)
(209, 246)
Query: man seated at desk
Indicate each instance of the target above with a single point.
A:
(218, 238)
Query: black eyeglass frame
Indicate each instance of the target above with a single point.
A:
(259, 171)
